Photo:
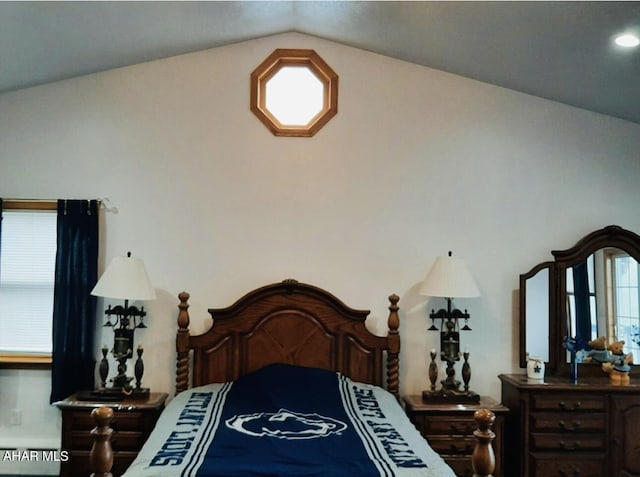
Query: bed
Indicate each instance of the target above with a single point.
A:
(288, 381)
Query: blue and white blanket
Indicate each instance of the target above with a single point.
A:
(286, 421)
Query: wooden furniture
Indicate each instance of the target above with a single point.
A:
(292, 323)
(588, 429)
(132, 422)
(449, 429)
(299, 324)
(576, 422)
(550, 324)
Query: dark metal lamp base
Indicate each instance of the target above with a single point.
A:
(442, 396)
(113, 394)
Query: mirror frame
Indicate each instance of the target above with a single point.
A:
(523, 311)
(612, 236)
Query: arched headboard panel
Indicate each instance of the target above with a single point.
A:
(287, 322)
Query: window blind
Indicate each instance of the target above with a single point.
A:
(27, 275)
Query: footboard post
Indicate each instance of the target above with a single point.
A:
(182, 344)
(101, 456)
(393, 339)
(483, 458)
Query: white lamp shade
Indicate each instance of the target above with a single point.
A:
(449, 277)
(125, 278)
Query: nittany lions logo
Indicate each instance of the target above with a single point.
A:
(286, 424)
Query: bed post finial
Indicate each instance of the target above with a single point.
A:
(393, 339)
(182, 344)
(483, 459)
(101, 455)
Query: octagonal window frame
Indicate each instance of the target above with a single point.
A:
(282, 58)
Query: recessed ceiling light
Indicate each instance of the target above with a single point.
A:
(627, 40)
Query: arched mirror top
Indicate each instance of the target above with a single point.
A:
(592, 290)
(612, 236)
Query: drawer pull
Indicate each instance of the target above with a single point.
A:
(575, 473)
(576, 425)
(576, 446)
(575, 407)
(457, 450)
(467, 429)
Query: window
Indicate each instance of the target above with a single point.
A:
(294, 92)
(626, 277)
(27, 275)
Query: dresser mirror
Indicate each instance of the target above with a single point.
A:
(536, 290)
(591, 289)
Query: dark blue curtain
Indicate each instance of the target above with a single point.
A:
(74, 309)
(583, 305)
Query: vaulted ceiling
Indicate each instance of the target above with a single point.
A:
(563, 51)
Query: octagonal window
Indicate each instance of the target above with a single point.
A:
(294, 95)
(294, 92)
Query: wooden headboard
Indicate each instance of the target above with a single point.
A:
(292, 323)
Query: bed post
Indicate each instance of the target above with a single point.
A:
(182, 344)
(101, 456)
(483, 458)
(393, 339)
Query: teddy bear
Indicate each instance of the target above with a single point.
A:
(598, 352)
(619, 365)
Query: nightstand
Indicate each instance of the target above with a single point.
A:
(133, 420)
(449, 430)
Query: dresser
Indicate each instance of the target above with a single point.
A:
(449, 430)
(588, 429)
(133, 420)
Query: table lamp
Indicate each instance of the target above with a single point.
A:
(449, 278)
(125, 279)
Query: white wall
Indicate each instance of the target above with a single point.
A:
(416, 163)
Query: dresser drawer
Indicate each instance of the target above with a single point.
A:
(584, 465)
(568, 422)
(566, 443)
(568, 402)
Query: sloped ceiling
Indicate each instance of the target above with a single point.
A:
(562, 51)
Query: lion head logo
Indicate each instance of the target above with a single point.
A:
(285, 424)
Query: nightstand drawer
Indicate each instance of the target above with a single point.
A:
(448, 425)
(447, 446)
(122, 420)
(568, 422)
(120, 440)
(78, 463)
(461, 465)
